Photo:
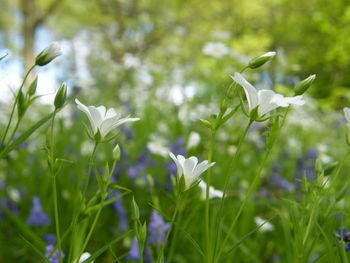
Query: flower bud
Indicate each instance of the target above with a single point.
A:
(32, 87)
(61, 96)
(261, 60)
(116, 152)
(304, 85)
(21, 104)
(48, 54)
(135, 210)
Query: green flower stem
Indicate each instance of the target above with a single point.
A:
(77, 211)
(176, 232)
(207, 199)
(251, 188)
(14, 131)
(54, 187)
(14, 105)
(344, 256)
(233, 161)
(227, 178)
(309, 225)
(91, 160)
(97, 216)
(340, 166)
(177, 208)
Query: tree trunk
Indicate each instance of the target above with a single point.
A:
(29, 28)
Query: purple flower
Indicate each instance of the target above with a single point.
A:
(306, 165)
(280, 183)
(157, 229)
(50, 239)
(55, 256)
(143, 161)
(37, 216)
(11, 205)
(134, 251)
(120, 211)
(344, 235)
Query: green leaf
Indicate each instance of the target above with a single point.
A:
(24, 229)
(242, 240)
(105, 247)
(35, 249)
(25, 135)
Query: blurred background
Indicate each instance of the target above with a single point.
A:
(168, 62)
(178, 48)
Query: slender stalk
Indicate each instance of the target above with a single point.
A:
(308, 228)
(79, 188)
(176, 231)
(340, 166)
(178, 201)
(97, 216)
(91, 159)
(207, 199)
(54, 186)
(252, 187)
(14, 105)
(14, 131)
(227, 177)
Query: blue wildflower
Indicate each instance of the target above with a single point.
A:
(306, 165)
(134, 251)
(120, 211)
(55, 256)
(157, 229)
(142, 162)
(50, 239)
(9, 204)
(37, 216)
(344, 235)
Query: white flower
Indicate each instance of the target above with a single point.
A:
(102, 120)
(264, 100)
(265, 225)
(213, 193)
(189, 168)
(84, 257)
(347, 115)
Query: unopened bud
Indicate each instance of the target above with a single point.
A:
(261, 60)
(61, 96)
(21, 104)
(135, 210)
(304, 85)
(48, 54)
(116, 152)
(32, 87)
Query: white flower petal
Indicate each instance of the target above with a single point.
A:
(201, 168)
(112, 124)
(297, 100)
(250, 92)
(178, 165)
(181, 160)
(111, 113)
(85, 109)
(266, 101)
(102, 111)
(96, 116)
